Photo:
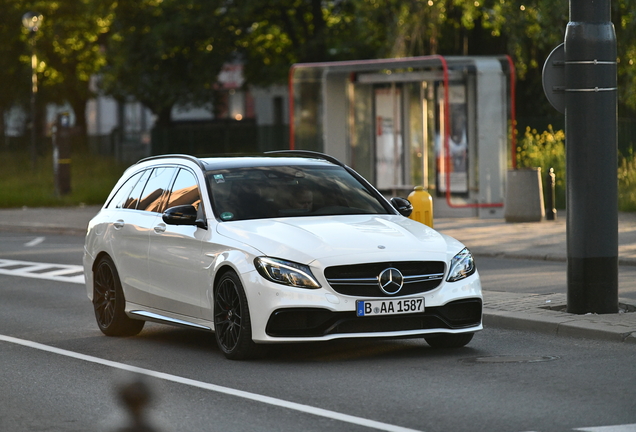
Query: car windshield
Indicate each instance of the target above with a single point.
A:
(289, 191)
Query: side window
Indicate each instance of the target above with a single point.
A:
(155, 190)
(120, 198)
(185, 190)
(133, 199)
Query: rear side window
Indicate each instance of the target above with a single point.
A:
(152, 198)
(133, 199)
(122, 198)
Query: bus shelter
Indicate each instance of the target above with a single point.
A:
(444, 123)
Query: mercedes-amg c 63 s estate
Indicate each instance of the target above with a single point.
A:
(281, 247)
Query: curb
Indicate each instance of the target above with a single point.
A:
(561, 324)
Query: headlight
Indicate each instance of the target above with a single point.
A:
(461, 266)
(286, 272)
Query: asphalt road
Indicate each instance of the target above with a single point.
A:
(60, 373)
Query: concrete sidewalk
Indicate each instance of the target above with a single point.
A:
(532, 240)
(484, 237)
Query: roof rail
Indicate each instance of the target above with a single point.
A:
(308, 153)
(182, 156)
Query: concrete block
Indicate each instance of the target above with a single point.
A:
(524, 196)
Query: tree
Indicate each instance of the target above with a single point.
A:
(417, 28)
(69, 51)
(277, 34)
(531, 30)
(167, 53)
(14, 75)
(624, 19)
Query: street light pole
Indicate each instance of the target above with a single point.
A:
(32, 21)
(591, 146)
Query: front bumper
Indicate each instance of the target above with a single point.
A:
(285, 314)
(306, 322)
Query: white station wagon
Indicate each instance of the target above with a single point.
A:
(282, 247)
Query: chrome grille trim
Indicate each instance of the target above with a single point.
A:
(374, 281)
(361, 280)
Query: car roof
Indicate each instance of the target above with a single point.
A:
(212, 164)
(282, 158)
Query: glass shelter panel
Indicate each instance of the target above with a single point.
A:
(308, 107)
(415, 133)
(361, 131)
(389, 162)
(453, 156)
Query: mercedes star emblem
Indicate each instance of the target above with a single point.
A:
(390, 281)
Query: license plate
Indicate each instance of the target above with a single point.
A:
(389, 307)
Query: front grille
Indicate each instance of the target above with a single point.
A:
(315, 322)
(362, 279)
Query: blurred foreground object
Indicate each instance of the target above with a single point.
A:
(135, 396)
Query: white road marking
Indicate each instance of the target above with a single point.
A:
(56, 272)
(212, 387)
(617, 428)
(36, 241)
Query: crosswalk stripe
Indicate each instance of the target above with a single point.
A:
(56, 272)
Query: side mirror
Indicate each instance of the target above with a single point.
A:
(402, 205)
(182, 215)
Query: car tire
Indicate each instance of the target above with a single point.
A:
(109, 302)
(448, 340)
(232, 324)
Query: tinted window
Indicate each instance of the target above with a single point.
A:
(135, 194)
(128, 195)
(288, 191)
(155, 190)
(185, 190)
(119, 199)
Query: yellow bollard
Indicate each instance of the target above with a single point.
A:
(422, 206)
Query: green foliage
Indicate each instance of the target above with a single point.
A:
(532, 29)
(545, 150)
(416, 28)
(68, 48)
(627, 183)
(624, 19)
(167, 52)
(92, 178)
(276, 34)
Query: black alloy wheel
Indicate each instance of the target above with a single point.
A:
(232, 325)
(109, 302)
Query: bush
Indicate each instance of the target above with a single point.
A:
(545, 150)
(627, 183)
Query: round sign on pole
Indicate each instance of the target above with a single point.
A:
(554, 78)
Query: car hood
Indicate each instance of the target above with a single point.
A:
(305, 239)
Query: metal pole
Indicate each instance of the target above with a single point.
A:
(32, 21)
(34, 92)
(591, 146)
(551, 212)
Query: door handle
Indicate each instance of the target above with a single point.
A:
(119, 224)
(160, 228)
